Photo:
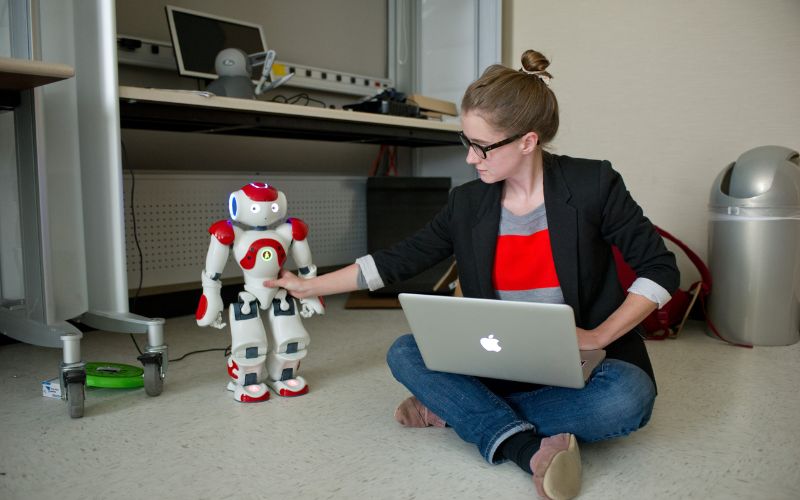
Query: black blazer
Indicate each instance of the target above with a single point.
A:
(588, 210)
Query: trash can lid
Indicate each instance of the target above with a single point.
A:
(763, 177)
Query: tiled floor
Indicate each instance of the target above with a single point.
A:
(725, 426)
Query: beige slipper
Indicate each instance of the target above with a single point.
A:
(557, 467)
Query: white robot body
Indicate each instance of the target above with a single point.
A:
(260, 253)
(248, 351)
(289, 341)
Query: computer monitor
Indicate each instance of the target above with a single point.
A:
(198, 37)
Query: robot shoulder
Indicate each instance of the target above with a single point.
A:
(223, 231)
(299, 229)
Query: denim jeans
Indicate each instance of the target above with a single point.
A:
(617, 400)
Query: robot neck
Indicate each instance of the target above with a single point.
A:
(248, 227)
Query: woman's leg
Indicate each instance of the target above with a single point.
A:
(617, 400)
(476, 414)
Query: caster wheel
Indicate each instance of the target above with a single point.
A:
(153, 383)
(75, 399)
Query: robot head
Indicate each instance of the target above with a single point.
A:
(232, 62)
(257, 205)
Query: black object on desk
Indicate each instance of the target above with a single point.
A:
(388, 102)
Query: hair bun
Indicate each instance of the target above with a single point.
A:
(535, 62)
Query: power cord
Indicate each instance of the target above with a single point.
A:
(295, 99)
(226, 351)
(126, 164)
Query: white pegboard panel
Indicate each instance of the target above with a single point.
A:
(174, 211)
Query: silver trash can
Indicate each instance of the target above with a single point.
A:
(754, 248)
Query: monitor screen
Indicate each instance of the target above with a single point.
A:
(198, 37)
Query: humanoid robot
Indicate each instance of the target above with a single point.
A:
(261, 253)
(234, 69)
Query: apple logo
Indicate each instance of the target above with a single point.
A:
(491, 344)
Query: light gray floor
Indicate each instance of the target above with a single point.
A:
(725, 426)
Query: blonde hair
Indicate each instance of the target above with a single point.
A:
(516, 101)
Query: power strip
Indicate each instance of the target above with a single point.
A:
(136, 51)
(309, 77)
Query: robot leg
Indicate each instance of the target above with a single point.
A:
(289, 340)
(248, 351)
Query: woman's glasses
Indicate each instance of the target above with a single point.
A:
(483, 150)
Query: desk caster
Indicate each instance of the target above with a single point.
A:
(153, 373)
(73, 385)
(75, 400)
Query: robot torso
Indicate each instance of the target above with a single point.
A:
(260, 254)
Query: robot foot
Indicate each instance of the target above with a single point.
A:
(289, 388)
(253, 393)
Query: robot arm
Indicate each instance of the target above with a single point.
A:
(301, 253)
(266, 60)
(209, 310)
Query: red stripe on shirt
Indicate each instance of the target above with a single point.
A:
(524, 262)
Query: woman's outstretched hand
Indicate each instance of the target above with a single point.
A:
(296, 286)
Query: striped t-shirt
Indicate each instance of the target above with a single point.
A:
(524, 269)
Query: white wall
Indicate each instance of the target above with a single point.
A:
(669, 92)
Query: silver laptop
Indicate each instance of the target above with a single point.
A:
(521, 341)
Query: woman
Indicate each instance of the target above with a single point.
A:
(537, 227)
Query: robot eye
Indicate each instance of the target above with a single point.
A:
(275, 207)
(232, 206)
(255, 208)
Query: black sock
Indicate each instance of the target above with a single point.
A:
(520, 448)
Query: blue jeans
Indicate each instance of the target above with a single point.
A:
(617, 400)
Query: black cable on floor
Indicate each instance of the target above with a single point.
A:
(126, 164)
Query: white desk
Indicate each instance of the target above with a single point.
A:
(187, 111)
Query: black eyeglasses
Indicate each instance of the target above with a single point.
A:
(483, 150)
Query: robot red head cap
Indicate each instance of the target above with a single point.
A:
(257, 204)
(259, 191)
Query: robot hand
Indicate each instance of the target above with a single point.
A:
(310, 306)
(209, 310)
(265, 83)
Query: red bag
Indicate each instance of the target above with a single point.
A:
(668, 321)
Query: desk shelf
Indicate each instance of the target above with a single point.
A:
(17, 75)
(187, 111)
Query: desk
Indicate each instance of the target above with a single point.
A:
(34, 319)
(17, 75)
(29, 319)
(187, 111)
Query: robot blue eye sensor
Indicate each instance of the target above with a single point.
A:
(232, 206)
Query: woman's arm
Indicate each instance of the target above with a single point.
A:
(630, 313)
(339, 281)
